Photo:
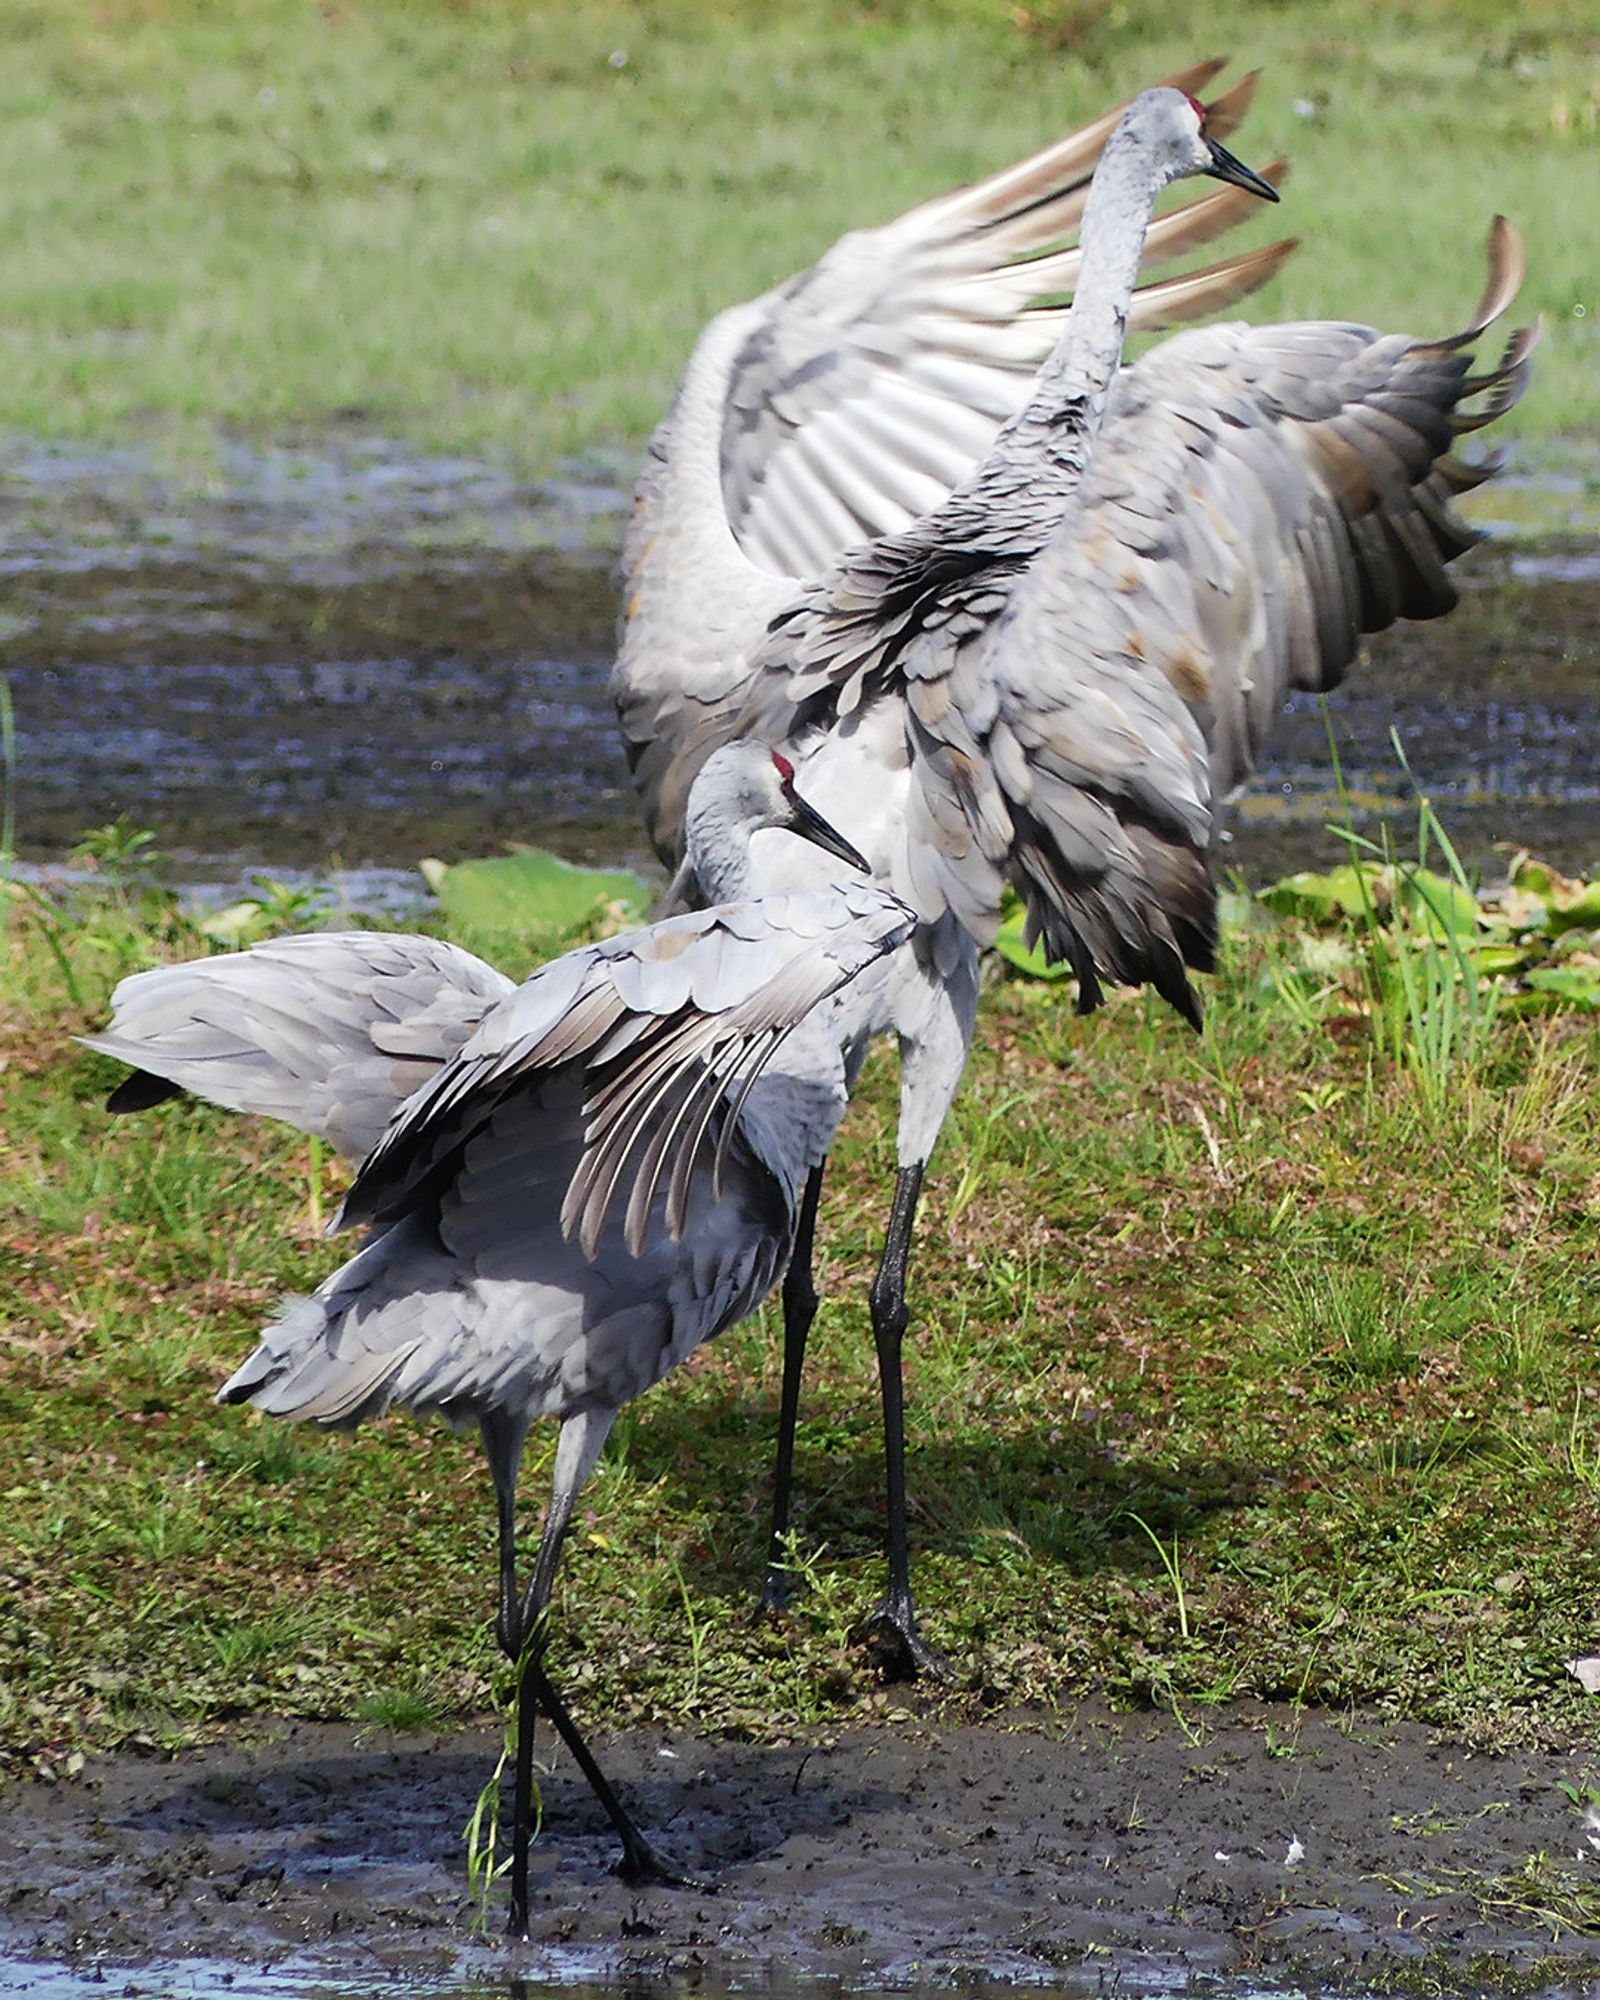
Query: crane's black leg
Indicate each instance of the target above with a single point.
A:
(893, 1626)
(521, 1811)
(799, 1310)
(522, 1630)
(639, 1862)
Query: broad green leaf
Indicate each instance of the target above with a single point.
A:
(1342, 891)
(1010, 942)
(1575, 985)
(1437, 905)
(1494, 961)
(234, 923)
(530, 890)
(1540, 899)
(1534, 878)
(1574, 906)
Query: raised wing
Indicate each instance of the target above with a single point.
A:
(1263, 497)
(874, 382)
(663, 1033)
(1080, 670)
(326, 1032)
(844, 404)
(1259, 499)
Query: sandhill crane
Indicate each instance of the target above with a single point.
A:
(1048, 676)
(601, 1172)
(838, 407)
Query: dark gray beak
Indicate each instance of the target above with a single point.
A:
(810, 825)
(1224, 167)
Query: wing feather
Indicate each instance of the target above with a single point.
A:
(1084, 664)
(660, 1028)
(776, 456)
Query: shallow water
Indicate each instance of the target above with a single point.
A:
(349, 657)
(1277, 1851)
(200, 1979)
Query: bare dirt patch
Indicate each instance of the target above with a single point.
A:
(1356, 1854)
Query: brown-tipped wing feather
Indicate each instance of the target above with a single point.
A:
(875, 381)
(1075, 650)
(1262, 497)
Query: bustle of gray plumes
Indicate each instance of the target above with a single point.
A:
(597, 1170)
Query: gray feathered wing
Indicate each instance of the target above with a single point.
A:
(1076, 688)
(872, 384)
(846, 403)
(662, 1034)
(326, 1032)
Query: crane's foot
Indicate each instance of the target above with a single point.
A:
(774, 1599)
(901, 1652)
(641, 1866)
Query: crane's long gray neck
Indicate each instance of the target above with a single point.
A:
(1121, 197)
(717, 829)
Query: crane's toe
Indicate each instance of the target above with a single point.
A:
(902, 1654)
(640, 1866)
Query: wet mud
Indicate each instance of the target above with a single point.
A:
(348, 655)
(1288, 1850)
(337, 656)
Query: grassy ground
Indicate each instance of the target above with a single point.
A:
(486, 226)
(1240, 1366)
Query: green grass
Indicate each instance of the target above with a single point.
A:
(498, 228)
(1238, 1366)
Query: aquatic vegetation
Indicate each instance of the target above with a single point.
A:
(1527, 945)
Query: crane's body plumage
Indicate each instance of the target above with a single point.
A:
(479, 1292)
(569, 1185)
(1047, 611)
(483, 1106)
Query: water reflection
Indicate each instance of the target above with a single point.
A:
(1129, 1976)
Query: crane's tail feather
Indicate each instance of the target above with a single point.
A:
(139, 1092)
(326, 1032)
(332, 1358)
(1148, 920)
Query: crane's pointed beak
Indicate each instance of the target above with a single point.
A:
(810, 825)
(1224, 167)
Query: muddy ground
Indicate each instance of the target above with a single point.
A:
(352, 655)
(1303, 1850)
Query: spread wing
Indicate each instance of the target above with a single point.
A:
(1076, 685)
(1259, 500)
(874, 382)
(326, 1032)
(848, 402)
(1263, 497)
(664, 1032)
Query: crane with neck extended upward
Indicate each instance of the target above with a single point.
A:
(1048, 678)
